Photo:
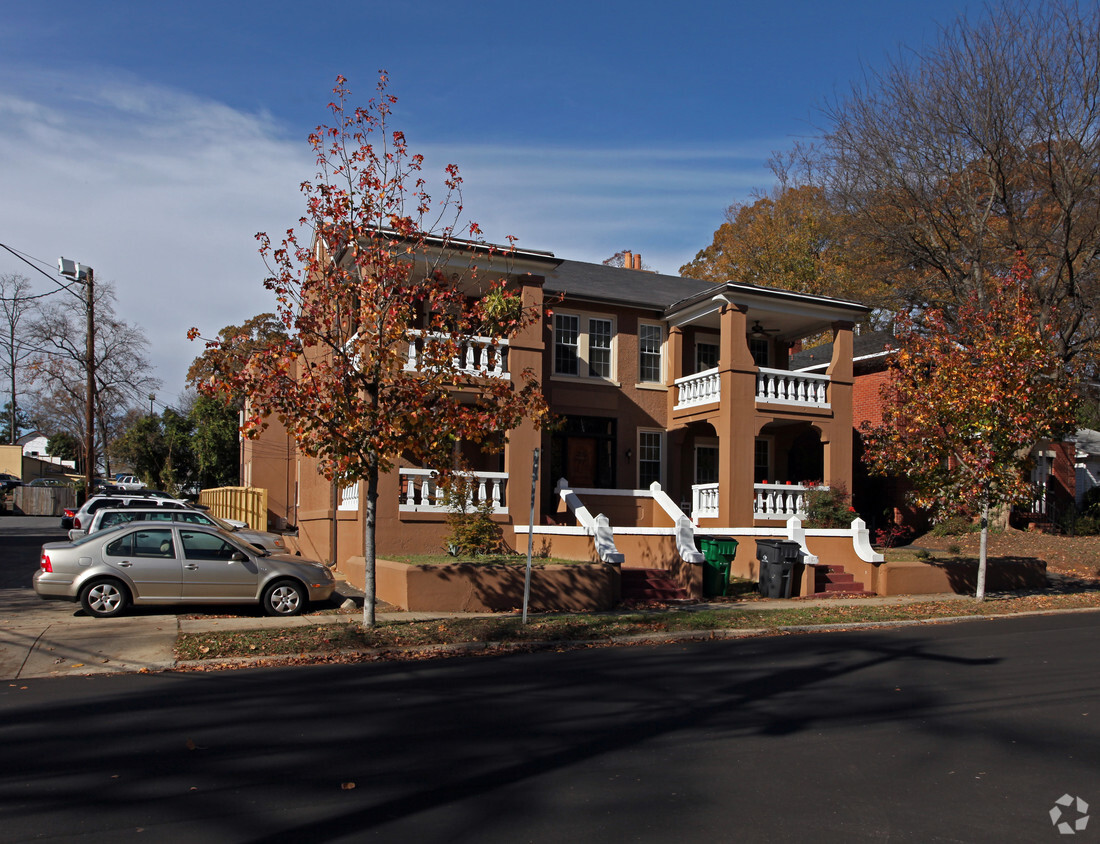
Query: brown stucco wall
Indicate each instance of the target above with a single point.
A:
(476, 588)
(961, 578)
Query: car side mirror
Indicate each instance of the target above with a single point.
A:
(237, 557)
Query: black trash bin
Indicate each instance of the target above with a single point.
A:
(777, 558)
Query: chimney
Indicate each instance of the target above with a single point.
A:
(638, 261)
(628, 260)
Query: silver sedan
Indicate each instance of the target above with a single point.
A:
(176, 563)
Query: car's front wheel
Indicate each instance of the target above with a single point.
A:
(284, 598)
(104, 598)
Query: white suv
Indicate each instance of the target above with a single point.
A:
(110, 516)
(82, 517)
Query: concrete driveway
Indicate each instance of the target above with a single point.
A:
(54, 638)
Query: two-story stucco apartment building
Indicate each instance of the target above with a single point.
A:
(678, 417)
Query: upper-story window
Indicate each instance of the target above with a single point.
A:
(706, 356)
(651, 338)
(600, 334)
(584, 345)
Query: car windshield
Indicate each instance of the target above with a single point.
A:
(99, 534)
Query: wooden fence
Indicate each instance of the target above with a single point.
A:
(42, 500)
(244, 503)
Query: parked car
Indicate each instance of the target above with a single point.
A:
(128, 482)
(176, 563)
(50, 482)
(8, 482)
(142, 498)
(110, 516)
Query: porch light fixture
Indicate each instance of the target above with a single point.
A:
(629, 454)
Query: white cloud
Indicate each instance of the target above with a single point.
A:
(162, 193)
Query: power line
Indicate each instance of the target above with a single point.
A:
(37, 269)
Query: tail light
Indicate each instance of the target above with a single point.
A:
(45, 563)
(76, 522)
(69, 513)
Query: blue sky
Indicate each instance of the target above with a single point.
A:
(152, 141)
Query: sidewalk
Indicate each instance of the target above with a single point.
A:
(55, 639)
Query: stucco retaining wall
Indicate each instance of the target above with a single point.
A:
(919, 578)
(491, 588)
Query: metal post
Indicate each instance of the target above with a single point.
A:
(530, 534)
(89, 373)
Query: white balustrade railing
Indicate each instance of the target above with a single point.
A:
(800, 388)
(482, 356)
(349, 497)
(421, 492)
(704, 501)
(780, 501)
(700, 388)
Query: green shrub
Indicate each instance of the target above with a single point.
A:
(955, 526)
(473, 531)
(829, 507)
(1087, 525)
(1090, 503)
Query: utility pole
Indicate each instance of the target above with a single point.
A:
(86, 276)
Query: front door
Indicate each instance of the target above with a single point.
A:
(582, 461)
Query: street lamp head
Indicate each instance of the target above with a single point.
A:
(73, 270)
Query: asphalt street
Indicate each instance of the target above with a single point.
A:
(955, 732)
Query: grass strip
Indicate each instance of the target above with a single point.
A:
(351, 636)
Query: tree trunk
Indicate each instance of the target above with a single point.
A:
(368, 545)
(979, 593)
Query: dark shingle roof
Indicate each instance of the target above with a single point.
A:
(863, 345)
(580, 280)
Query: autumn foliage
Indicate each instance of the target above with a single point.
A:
(965, 405)
(391, 308)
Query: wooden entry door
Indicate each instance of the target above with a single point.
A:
(581, 453)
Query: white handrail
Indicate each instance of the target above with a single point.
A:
(784, 387)
(598, 527)
(700, 388)
(486, 357)
(421, 493)
(780, 501)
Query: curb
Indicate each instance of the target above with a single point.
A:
(406, 652)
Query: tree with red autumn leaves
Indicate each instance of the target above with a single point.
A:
(380, 307)
(965, 405)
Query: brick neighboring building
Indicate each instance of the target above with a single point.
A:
(1059, 473)
(880, 501)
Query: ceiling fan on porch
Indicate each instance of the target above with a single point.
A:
(758, 330)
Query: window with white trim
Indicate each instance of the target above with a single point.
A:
(651, 452)
(584, 345)
(651, 337)
(566, 343)
(600, 335)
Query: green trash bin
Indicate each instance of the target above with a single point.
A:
(718, 554)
